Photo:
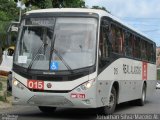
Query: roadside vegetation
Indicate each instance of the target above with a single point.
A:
(158, 74)
(3, 90)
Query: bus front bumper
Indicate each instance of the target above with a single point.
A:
(73, 99)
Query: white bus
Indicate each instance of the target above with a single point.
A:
(81, 58)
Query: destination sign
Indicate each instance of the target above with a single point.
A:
(40, 21)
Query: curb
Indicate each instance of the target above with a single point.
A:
(6, 104)
(3, 91)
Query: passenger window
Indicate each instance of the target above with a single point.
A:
(137, 48)
(149, 52)
(154, 53)
(144, 50)
(117, 39)
(128, 44)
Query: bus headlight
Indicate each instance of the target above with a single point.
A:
(18, 84)
(15, 82)
(85, 85)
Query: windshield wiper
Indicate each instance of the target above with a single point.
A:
(60, 57)
(37, 53)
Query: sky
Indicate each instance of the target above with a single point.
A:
(144, 15)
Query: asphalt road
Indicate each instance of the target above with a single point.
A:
(152, 106)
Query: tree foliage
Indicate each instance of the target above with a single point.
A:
(102, 8)
(8, 10)
(54, 3)
(8, 13)
(38, 3)
(68, 3)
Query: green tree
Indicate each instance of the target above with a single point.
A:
(0, 54)
(102, 8)
(40, 3)
(69, 3)
(8, 10)
(158, 74)
(54, 3)
(8, 13)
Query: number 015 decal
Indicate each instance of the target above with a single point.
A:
(35, 84)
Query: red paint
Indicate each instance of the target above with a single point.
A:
(144, 70)
(35, 84)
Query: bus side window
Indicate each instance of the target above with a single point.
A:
(138, 48)
(128, 44)
(119, 43)
(104, 44)
(154, 53)
(149, 49)
(122, 44)
(117, 39)
(112, 38)
(144, 50)
(133, 45)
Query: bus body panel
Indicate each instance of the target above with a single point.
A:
(103, 91)
(129, 75)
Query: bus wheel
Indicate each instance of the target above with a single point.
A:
(46, 109)
(109, 109)
(142, 100)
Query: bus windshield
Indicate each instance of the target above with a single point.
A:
(56, 43)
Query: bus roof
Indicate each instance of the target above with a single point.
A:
(86, 10)
(83, 10)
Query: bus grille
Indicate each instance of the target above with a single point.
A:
(50, 101)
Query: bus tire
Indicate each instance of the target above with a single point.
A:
(109, 109)
(142, 100)
(46, 109)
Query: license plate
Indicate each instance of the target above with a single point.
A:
(81, 96)
(35, 84)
